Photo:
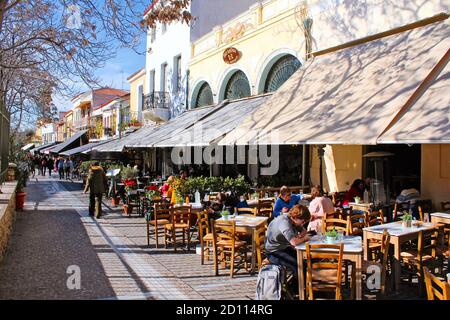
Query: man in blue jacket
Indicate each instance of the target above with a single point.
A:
(285, 201)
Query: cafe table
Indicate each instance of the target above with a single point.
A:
(440, 217)
(248, 224)
(353, 251)
(399, 235)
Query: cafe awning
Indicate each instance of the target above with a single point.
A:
(28, 147)
(349, 94)
(82, 149)
(118, 145)
(428, 119)
(73, 141)
(224, 118)
(171, 129)
(42, 147)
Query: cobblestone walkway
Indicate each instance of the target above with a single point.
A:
(55, 232)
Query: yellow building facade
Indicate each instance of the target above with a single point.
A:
(138, 87)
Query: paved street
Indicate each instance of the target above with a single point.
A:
(55, 232)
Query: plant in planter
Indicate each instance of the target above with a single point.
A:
(153, 194)
(357, 199)
(225, 214)
(22, 175)
(331, 236)
(407, 220)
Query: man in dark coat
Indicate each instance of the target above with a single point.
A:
(97, 185)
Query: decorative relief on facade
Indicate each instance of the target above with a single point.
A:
(237, 31)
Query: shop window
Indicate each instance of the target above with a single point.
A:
(204, 96)
(238, 86)
(280, 72)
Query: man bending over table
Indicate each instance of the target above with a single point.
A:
(283, 234)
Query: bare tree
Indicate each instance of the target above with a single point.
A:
(50, 46)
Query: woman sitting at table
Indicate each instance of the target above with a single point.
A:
(283, 234)
(285, 201)
(356, 190)
(318, 207)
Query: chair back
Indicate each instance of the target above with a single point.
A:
(225, 230)
(436, 289)
(251, 211)
(264, 208)
(400, 208)
(375, 218)
(161, 211)
(338, 224)
(427, 243)
(357, 222)
(338, 198)
(180, 215)
(203, 224)
(321, 259)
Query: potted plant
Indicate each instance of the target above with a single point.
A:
(22, 175)
(357, 200)
(331, 236)
(407, 220)
(225, 214)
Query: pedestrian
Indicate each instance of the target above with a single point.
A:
(61, 168)
(67, 168)
(97, 185)
(50, 164)
(71, 166)
(43, 166)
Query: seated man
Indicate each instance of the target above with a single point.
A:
(283, 234)
(285, 201)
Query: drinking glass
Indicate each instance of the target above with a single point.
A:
(340, 235)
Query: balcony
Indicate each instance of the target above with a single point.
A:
(156, 100)
(156, 106)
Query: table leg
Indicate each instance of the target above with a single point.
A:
(358, 275)
(366, 246)
(397, 268)
(253, 252)
(301, 276)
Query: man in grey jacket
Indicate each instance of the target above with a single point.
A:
(97, 185)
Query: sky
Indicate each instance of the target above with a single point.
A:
(115, 72)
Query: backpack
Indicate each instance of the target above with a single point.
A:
(270, 282)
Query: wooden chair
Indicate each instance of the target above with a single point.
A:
(338, 224)
(374, 218)
(161, 217)
(250, 211)
(264, 208)
(357, 223)
(400, 208)
(435, 287)
(425, 255)
(338, 198)
(179, 226)
(382, 259)
(227, 248)
(260, 238)
(205, 235)
(324, 269)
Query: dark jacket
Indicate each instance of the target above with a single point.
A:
(96, 181)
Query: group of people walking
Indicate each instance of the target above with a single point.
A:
(44, 163)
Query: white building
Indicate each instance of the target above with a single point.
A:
(168, 54)
(48, 133)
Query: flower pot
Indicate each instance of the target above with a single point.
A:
(225, 217)
(406, 224)
(20, 200)
(331, 240)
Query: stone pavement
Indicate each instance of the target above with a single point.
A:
(55, 232)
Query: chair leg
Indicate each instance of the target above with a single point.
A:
(165, 238)
(232, 258)
(216, 266)
(174, 239)
(202, 252)
(156, 235)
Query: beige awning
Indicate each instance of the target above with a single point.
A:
(348, 96)
(428, 119)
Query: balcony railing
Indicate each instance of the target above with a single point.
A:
(156, 100)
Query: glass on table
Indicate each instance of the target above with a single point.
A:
(340, 235)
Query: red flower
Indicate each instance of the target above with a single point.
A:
(130, 183)
(152, 187)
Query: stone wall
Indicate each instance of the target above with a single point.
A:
(7, 213)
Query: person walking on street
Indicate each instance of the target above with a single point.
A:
(71, 168)
(43, 166)
(96, 185)
(50, 164)
(61, 168)
(67, 169)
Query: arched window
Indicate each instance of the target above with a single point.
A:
(281, 71)
(237, 87)
(204, 96)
